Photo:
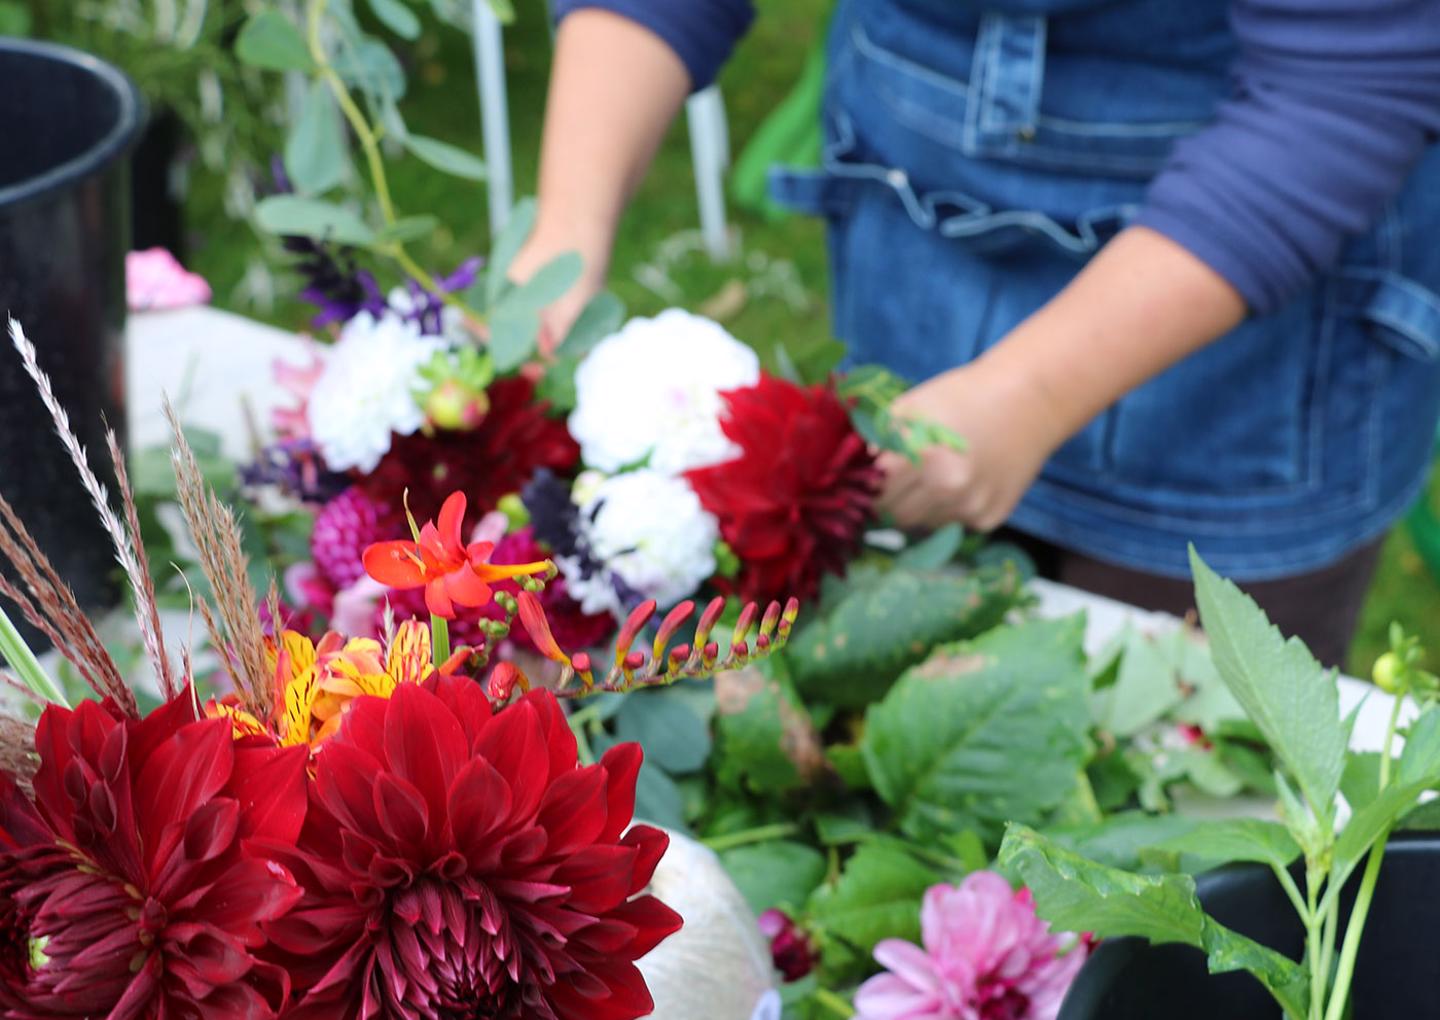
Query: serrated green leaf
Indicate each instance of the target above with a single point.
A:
(506, 247)
(1227, 951)
(1121, 839)
(397, 17)
(1236, 839)
(315, 148)
(1420, 760)
(778, 874)
(447, 158)
(288, 215)
(1284, 691)
(270, 41)
(602, 316)
(852, 650)
(1144, 691)
(984, 732)
(1074, 893)
(876, 897)
(1373, 821)
(751, 733)
(666, 725)
(934, 551)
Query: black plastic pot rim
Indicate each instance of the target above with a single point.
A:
(120, 138)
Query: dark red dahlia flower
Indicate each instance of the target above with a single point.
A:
(516, 438)
(796, 500)
(129, 887)
(459, 864)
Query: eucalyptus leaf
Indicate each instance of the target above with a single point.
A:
(293, 215)
(602, 316)
(507, 246)
(548, 284)
(514, 336)
(1284, 691)
(658, 800)
(270, 41)
(370, 65)
(315, 149)
(663, 722)
(450, 159)
(397, 17)
(410, 228)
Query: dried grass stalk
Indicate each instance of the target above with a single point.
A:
(234, 625)
(126, 543)
(18, 759)
(49, 604)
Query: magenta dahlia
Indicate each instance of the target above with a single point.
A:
(129, 887)
(457, 863)
(344, 528)
(795, 501)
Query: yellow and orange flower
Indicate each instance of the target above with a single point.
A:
(314, 684)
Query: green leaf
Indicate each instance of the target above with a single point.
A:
(450, 159)
(370, 65)
(14, 19)
(1420, 760)
(666, 725)
(1121, 840)
(934, 551)
(1144, 690)
(514, 335)
(397, 17)
(548, 284)
(271, 42)
(1074, 893)
(758, 719)
(658, 800)
(1236, 839)
(1227, 951)
(876, 897)
(779, 874)
(982, 733)
(310, 217)
(1283, 690)
(1374, 820)
(602, 316)
(315, 148)
(407, 229)
(850, 653)
(507, 246)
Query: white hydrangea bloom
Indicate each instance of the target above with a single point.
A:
(367, 390)
(651, 533)
(653, 389)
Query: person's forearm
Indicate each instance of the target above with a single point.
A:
(614, 90)
(1143, 304)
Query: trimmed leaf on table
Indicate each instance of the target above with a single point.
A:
(852, 650)
(984, 732)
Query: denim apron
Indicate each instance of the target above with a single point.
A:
(978, 153)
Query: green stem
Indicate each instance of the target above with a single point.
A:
(1282, 875)
(1314, 949)
(21, 659)
(762, 834)
(439, 639)
(374, 159)
(834, 1003)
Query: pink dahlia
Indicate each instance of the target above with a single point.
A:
(986, 956)
(345, 527)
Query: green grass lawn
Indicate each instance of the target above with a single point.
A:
(773, 291)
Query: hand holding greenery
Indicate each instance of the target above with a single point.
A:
(1295, 705)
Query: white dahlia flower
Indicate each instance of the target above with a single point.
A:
(652, 536)
(653, 390)
(367, 390)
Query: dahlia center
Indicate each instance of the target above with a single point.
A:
(1001, 1000)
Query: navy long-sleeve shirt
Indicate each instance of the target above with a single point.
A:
(1334, 103)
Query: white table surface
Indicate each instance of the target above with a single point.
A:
(216, 368)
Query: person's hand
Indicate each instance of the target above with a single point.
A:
(1009, 432)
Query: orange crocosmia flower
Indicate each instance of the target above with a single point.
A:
(452, 573)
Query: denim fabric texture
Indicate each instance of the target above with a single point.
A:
(978, 154)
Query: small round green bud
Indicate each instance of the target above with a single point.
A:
(1389, 673)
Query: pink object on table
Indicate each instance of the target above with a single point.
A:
(155, 281)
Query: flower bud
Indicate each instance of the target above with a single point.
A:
(1388, 673)
(454, 405)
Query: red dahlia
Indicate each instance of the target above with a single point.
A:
(795, 501)
(129, 878)
(457, 863)
(515, 439)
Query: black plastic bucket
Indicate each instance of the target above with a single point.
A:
(1397, 972)
(67, 124)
